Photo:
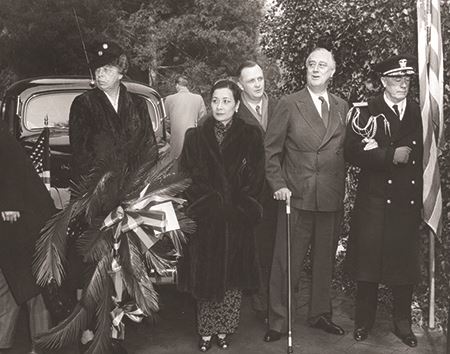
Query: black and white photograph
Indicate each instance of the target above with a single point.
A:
(224, 176)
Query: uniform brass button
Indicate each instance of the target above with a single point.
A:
(388, 201)
(413, 182)
(414, 162)
(412, 202)
(390, 181)
(414, 142)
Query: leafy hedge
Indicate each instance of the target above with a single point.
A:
(361, 33)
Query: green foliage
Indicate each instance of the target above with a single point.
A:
(40, 37)
(203, 39)
(361, 33)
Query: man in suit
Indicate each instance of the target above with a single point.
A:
(384, 139)
(184, 110)
(256, 108)
(305, 163)
(25, 206)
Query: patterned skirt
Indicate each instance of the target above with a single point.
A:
(219, 317)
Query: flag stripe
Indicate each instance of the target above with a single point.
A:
(431, 101)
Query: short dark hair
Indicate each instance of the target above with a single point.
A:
(229, 84)
(181, 80)
(246, 64)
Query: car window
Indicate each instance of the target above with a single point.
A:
(54, 106)
(151, 106)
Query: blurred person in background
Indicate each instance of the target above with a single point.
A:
(184, 110)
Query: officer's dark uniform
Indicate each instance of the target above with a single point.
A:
(384, 235)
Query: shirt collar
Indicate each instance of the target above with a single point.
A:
(401, 105)
(315, 96)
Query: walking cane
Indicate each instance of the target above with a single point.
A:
(288, 251)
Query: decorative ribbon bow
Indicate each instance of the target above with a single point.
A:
(129, 310)
(132, 220)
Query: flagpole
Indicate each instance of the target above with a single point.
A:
(431, 315)
(431, 254)
(431, 87)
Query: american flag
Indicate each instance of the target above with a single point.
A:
(429, 44)
(431, 102)
(40, 156)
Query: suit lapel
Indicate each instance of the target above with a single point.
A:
(394, 122)
(247, 116)
(335, 119)
(309, 113)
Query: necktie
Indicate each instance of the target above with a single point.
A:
(324, 110)
(258, 110)
(395, 108)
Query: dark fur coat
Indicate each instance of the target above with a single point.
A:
(97, 131)
(223, 199)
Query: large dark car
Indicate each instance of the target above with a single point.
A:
(28, 104)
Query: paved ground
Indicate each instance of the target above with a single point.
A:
(174, 333)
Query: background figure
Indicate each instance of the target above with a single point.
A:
(305, 161)
(256, 108)
(383, 244)
(184, 109)
(106, 124)
(225, 159)
(25, 206)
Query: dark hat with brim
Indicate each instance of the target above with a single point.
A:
(104, 53)
(398, 65)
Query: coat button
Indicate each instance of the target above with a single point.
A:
(412, 202)
(413, 182)
(388, 201)
(389, 181)
(414, 162)
(414, 142)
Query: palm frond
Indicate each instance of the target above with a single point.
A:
(49, 258)
(100, 280)
(161, 169)
(171, 185)
(164, 190)
(187, 225)
(65, 333)
(138, 179)
(101, 344)
(159, 263)
(178, 238)
(93, 244)
(136, 279)
(94, 200)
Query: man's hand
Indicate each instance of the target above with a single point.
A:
(401, 154)
(282, 194)
(10, 216)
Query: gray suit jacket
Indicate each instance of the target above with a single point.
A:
(304, 155)
(184, 110)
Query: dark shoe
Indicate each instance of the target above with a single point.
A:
(360, 334)
(223, 343)
(272, 336)
(204, 344)
(328, 326)
(409, 338)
